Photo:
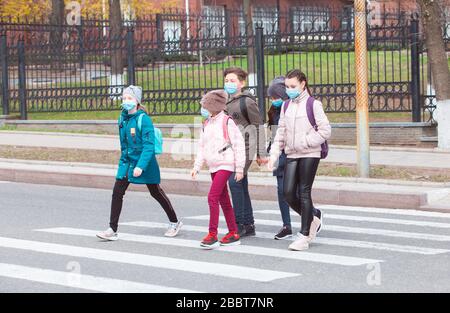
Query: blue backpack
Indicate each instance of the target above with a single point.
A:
(158, 134)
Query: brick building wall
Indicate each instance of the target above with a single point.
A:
(384, 5)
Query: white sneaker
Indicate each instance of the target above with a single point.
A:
(302, 243)
(173, 229)
(109, 235)
(316, 226)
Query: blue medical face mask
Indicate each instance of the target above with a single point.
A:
(204, 113)
(128, 105)
(231, 88)
(277, 103)
(293, 92)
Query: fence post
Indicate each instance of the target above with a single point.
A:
(22, 81)
(260, 77)
(5, 76)
(415, 70)
(130, 57)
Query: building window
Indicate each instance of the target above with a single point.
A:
(172, 36)
(213, 23)
(267, 17)
(310, 19)
(348, 23)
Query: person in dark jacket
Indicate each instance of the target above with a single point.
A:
(277, 94)
(137, 164)
(244, 110)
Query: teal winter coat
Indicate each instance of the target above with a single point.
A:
(138, 149)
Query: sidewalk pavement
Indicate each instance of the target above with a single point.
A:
(388, 156)
(327, 190)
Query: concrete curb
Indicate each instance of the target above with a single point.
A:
(326, 191)
(375, 181)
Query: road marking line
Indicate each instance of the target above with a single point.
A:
(82, 281)
(371, 219)
(353, 230)
(383, 211)
(217, 269)
(319, 240)
(242, 249)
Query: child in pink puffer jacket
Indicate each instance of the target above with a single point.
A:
(222, 147)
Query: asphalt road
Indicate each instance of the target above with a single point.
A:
(48, 244)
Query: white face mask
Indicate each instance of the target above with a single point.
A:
(293, 92)
(205, 113)
(129, 105)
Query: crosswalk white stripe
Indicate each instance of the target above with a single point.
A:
(82, 281)
(217, 269)
(383, 211)
(242, 249)
(320, 240)
(353, 230)
(370, 219)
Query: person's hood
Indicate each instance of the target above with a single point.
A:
(277, 88)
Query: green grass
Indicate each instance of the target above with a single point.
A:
(107, 115)
(8, 127)
(189, 119)
(320, 68)
(52, 130)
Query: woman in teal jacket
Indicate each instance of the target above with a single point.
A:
(137, 164)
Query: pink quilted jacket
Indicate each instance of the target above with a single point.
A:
(212, 143)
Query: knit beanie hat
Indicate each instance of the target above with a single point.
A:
(215, 101)
(277, 89)
(134, 91)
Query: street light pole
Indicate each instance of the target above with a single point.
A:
(362, 90)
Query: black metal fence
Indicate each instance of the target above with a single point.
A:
(176, 59)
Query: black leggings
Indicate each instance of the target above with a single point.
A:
(157, 193)
(299, 177)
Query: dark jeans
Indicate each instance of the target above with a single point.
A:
(242, 204)
(299, 177)
(157, 193)
(284, 206)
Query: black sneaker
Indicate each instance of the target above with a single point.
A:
(285, 232)
(250, 230)
(241, 230)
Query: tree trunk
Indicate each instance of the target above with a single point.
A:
(115, 35)
(432, 27)
(432, 22)
(116, 45)
(56, 34)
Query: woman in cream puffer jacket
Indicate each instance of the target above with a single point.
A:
(302, 145)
